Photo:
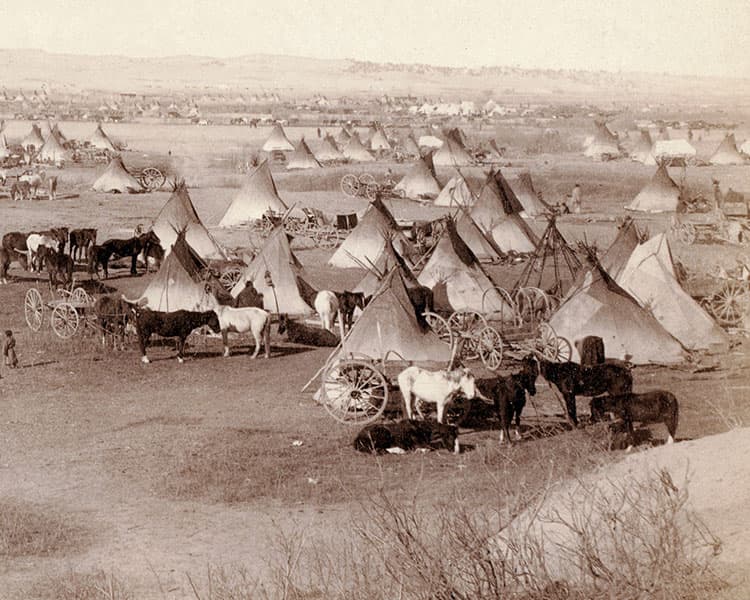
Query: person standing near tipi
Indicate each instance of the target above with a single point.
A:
(575, 199)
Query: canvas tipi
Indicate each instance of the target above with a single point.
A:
(329, 151)
(34, 138)
(277, 274)
(355, 151)
(420, 182)
(600, 307)
(410, 146)
(101, 140)
(379, 141)
(523, 187)
(452, 153)
(179, 215)
(365, 243)
(4, 150)
(257, 196)
(483, 247)
(456, 192)
(603, 145)
(727, 153)
(660, 194)
(649, 277)
(613, 261)
(277, 141)
(116, 178)
(377, 272)
(303, 158)
(457, 279)
(52, 150)
(642, 151)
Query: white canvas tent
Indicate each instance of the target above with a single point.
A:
(642, 151)
(603, 145)
(420, 182)
(302, 158)
(116, 178)
(33, 138)
(660, 194)
(456, 192)
(523, 187)
(329, 151)
(52, 151)
(257, 196)
(101, 140)
(355, 151)
(727, 153)
(277, 141)
(452, 154)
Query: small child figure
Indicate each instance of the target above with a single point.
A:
(9, 350)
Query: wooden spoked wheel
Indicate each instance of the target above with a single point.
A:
(64, 320)
(354, 392)
(440, 326)
(729, 303)
(466, 325)
(490, 348)
(366, 179)
(350, 185)
(552, 346)
(230, 277)
(33, 309)
(152, 179)
(372, 190)
(81, 296)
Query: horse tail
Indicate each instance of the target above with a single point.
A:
(267, 335)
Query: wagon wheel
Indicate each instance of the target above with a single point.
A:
(350, 185)
(327, 238)
(371, 190)
(64, 320)
(440, 326)
(505, 317)
(152, 179)
(728, 303)
(466, 325)
(230, 277)
(553, 347)
(686, 233)
(33, 309)
(490, 348)
(366, 178)
(354, 392)
(81, 296)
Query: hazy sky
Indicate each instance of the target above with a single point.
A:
(680, 36)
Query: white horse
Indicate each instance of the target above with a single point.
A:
(35, 241)
(327, 306)
(35, 180)
(241, 320)
(436, 387)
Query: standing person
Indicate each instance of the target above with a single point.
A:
(9, 350)
(575, 199)
(718, 197)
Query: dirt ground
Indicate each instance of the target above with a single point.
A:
(108, 443)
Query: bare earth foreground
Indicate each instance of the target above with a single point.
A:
(158, 471)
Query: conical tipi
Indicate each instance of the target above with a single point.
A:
(4, 150)
(277, 274)
(116, 178)
(642, 152)
(343, 137)
(452, 154)
(727, 153)
(533, 206)
(460, 280)
(303, 158)
(329, 151)
(603, 145)
(456, 192)
(649, 277)
(355, 151)
(661, 194)
(420, 182)
(101, 140)
(365, 243)
(179, 215)
(277, 141)
(410, 146)
(34, 138)
(389, 259)
(257, 196)
(613, 261)
(481, 245)
(52, 150)
(379, 141)
(602, 308)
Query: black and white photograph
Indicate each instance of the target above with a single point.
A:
(375, 300)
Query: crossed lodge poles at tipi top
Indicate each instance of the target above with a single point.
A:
(303, 158)
(257, 196)
(179, 215)
(277, 141)
(660, 194)
(101, 140)
(456, 192)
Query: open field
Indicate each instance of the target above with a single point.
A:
(148, 474)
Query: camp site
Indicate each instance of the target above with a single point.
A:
(293, 328)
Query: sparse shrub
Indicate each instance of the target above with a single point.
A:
(81, 586)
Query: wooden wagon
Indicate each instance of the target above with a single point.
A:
(69, 313)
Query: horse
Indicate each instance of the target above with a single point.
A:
(99, 256)
(113, 315)
(80, 241)
(34, 242)
(407, 435)
(20, 190)
(14, 243)
(509, 395)
(241, 320)
(657, 406)
(327, 306)
(348, 302)
(300, 333)
(35, 180)
(571, 379)
(4, 265)
(59, 266)
(423, 300)
(436, 387)
(59, 234)
(52, 187)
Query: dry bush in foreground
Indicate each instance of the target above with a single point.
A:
(29, 530)
(80, 586)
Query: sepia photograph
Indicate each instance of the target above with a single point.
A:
(375, 300)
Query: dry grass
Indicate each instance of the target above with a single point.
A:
(28, 530)
(98, 585)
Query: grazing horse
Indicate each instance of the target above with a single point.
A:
(436, 387)
(58, 264)
(120, 248)
(14, 243)
(20, 190)
(348, 302)
(113, 314)
(179, 324)
(241, 320)
(4, 265)
(407, 435)
(572, 379)
(34, 242)
(326, 305)
(34, 180)
(658, 406)
(509, 395)
(80, 241)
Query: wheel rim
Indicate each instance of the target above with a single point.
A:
(329, 239)
(65, 320)
(366, 178)
(490, 346)
(466, 325)
(548, 342)
(230, 278)
(81, 296)
(354, 392)
(564, 349)
(727, 305)
(33, 308)
(372, 190)
(349, 185)
(439, 326)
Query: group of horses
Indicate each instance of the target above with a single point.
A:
(27, 185)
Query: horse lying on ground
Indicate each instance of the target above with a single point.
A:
(241, 320)
(301, 333)
(113, 314)
(179, 324)
(509, 395)
(99, 256)
(407, 435)
(436, 387)
(658, 406)
(572, 379)
(59, 266)
(80, 241)
(327, 306)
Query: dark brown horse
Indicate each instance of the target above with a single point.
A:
(59, 266)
